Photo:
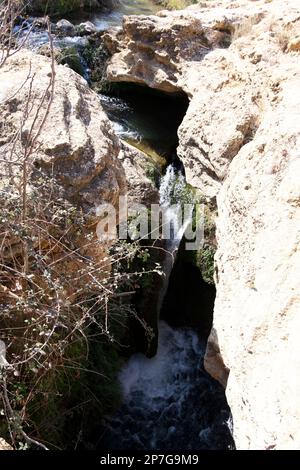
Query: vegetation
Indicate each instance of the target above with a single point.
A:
(70, 56)
(176, 4)
(53, 7)
(96, 56)
(64, 297)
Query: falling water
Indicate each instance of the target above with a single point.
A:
(172, 189)
(169, 401)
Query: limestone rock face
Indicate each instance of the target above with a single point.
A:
(4, 445)
(77, 144)
(239, 141)
(150, 49)
(258, 260)
(137, 166)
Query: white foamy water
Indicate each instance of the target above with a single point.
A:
(169, 402)
(158, 377)
(172, 187)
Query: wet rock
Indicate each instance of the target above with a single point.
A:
(85, 29)
(65, 28)
(70, 56)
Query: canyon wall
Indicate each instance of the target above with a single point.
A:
(239, 64)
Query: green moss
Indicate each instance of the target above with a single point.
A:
(204, 257)
(176, 4)
(96, 56)
(71, 57)
(206, 263)
(153, 173)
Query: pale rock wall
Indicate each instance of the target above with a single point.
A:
(239, 141)
(77, 144)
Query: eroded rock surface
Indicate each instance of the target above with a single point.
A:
(77, 144)
(239, 141)
(138, 169)
(4, 445)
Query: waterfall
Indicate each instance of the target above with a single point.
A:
(169, 402)
(172, 188)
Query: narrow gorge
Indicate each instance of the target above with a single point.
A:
(139, 344)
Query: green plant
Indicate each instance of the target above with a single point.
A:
(176, 4)
(70, 56)
(96, 55)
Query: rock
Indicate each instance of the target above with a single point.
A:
(213, 361)
(149, 50)
(4, 445)
(85, 29)
(138, 168)
(257, 306)
(65, 28)
(70, 56)
(77, 143)
(239, 141)
(294, 44)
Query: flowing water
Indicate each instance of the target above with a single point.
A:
(147, 120)
(169, 402)
(104, 21)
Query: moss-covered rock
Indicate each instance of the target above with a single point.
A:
(175, 4)
(70, 56)
(96, 56)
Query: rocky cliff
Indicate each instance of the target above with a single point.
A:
(239, 64)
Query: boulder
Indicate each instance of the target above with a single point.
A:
(86, 28)
(65, 28)
(77, 144)
(4, 445)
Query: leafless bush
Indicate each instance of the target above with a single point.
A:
(10, 11)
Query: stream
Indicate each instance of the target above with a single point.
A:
(103, 21)
(169, 402)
